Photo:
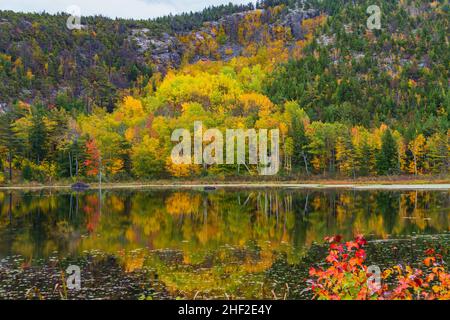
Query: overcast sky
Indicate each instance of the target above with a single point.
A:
(138, 9)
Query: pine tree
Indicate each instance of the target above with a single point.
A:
(365, 161)
(38, 139)
(27, 173)
(298, 133)
(300, 156)
(387, 158)
(9, 140)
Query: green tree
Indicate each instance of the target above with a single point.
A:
(364, 158)
(298, 117)
(10, 143)
(387, 158)
(38, 139)
(27, 173)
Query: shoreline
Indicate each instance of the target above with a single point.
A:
(441, 185)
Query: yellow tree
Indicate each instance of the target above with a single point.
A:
(417, 148)
(181, 170)
(147, 159)
(437, 150)
(288, 153)
(345, 157)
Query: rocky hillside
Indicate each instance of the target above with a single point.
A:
(223, 39)
(42, 62)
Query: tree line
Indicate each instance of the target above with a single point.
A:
(348, 103)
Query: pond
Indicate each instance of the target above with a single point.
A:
(216, 244)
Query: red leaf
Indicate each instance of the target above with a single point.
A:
(360, 240)
(360, 254)
(351, 245)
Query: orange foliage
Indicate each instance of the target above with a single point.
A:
(92, 162)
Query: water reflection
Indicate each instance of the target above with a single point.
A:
(224, 234)
(36, 224)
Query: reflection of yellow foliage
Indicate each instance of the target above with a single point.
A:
(130, 235)
(206, 233)
(182, 203)
(135, 261)
(265, 261)
(376, 226)
(195, 224)
(116, 204)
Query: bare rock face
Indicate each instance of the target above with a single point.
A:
(3, 108)
(141, 38)
(294, 18)
(167, 51)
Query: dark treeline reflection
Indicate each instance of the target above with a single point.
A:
(37, 224)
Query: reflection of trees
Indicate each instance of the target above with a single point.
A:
(194, 221)
(202, 227)
(38, 223)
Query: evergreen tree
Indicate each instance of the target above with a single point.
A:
(387, 158)
(9, 140)
(298, 134)
(38, 139)
(27, 173)
(300, 157)
(365, 159)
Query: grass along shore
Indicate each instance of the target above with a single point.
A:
(371, 183)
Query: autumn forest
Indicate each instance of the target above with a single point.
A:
(348, 101)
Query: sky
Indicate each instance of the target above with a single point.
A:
(137, 9)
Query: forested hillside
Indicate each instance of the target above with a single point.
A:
(348, 101)
(398, 75)
(43, 61)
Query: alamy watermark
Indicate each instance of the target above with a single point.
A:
(212, 153)
(73, 281)
(374, 280)
(374, 21)
(74, 21)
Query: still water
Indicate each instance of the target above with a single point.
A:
(236, 244)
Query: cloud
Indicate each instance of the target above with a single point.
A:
(137, 9)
